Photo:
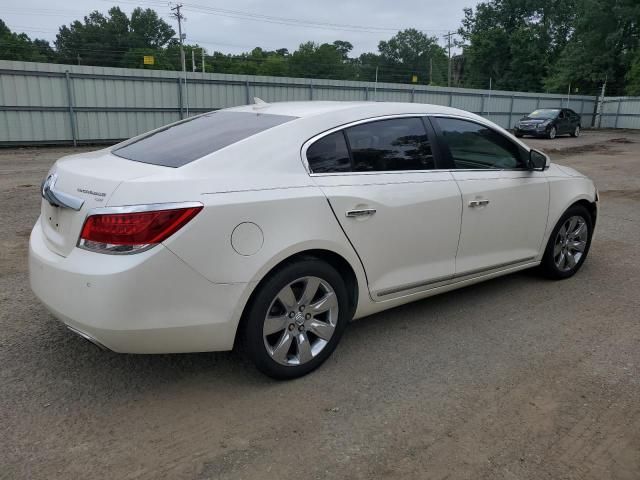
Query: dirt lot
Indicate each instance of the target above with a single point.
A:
(516, 378)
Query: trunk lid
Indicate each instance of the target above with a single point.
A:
(91, 177)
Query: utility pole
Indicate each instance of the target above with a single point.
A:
(430, 71)
(448, 37)
(600, 105)
(375, 87)
(193, 60)
(178, 15)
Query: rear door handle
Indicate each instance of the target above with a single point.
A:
(478, 203)
(363, 212)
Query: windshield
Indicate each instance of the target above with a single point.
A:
(544, 113)
(193, 138)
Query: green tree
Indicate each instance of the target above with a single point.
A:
(633, 76)
(148, 30)
(321, 61)
(106, 39)
(18, 46)
(602, 45)
(409, 53)
(514, 42)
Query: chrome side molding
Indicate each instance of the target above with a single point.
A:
(58, 198)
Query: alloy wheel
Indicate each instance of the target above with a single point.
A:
(576, 132)
(300, 321)
(570, 243)
(552, 133)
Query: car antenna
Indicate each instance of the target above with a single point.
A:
(259, 103)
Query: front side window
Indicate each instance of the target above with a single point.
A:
(183, 142)
(329, 154)
(473, 145)
(390, 145)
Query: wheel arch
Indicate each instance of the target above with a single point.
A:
(591, 207)
(336, 260)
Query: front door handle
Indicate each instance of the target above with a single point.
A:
(363, 212)
(478, 203)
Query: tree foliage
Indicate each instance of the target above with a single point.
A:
(532, 45)
(514, 42)
(18, 46)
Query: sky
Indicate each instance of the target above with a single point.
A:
(235, 26)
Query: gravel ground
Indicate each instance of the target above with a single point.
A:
(515, 378)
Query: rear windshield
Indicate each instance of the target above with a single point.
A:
(193, 138)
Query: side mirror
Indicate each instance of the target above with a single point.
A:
(538, 160)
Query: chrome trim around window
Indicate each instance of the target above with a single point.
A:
(307, 144)
(481, 121)
(149, 207)
(57, 198)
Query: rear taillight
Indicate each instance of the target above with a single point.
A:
(133, 229)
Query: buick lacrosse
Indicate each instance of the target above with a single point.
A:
(270, 226)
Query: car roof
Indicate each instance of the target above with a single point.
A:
(314, 108)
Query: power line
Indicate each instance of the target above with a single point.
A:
(243, 15)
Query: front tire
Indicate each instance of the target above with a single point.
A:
(568, 244)
(295, 319)
(551, 134)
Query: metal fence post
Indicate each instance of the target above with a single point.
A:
(311, 90)
(246, 91)
(180, 106)
(72, 115)
(413, 94)
(510, 111)
(482, 105)
(366, 93)
(537, 103)
(450, 98)
(618, 112)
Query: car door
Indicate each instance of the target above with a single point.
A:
(563, 122)
(504, 204)
(401, 215)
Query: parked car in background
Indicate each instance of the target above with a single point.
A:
(271, 226)
(549, 122)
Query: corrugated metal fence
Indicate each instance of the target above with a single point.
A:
(50, 103)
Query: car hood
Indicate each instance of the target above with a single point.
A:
(571, 172)
(534, 120)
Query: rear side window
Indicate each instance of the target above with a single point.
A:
(390, 145)
(329, 154)
(193, 138)
(473, 145)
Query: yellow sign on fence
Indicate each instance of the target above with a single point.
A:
(149, 60)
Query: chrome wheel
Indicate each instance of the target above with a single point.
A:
(552, 133)
(570, 243)
(300, 321)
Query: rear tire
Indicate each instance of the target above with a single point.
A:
(576, 131)
(296, 319)
(519, 135)
(568, 244)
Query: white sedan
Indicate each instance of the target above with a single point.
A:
(271, 226)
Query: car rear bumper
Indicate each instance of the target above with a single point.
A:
(150, 302)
